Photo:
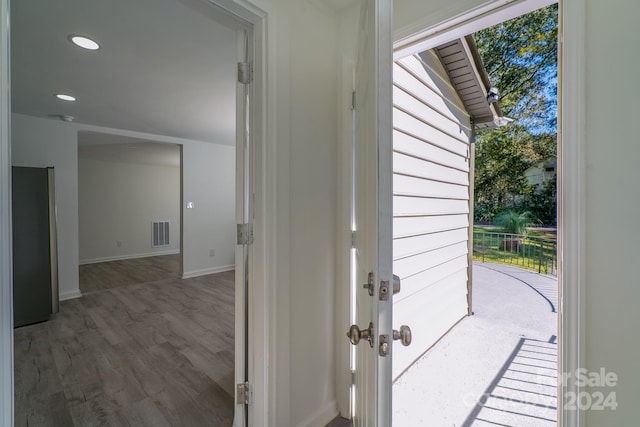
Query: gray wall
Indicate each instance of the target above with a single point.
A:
(117, 202)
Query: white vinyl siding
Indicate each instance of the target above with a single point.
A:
(430, 204)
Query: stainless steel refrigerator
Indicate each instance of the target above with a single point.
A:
(35, 256)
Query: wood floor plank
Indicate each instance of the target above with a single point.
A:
(143, 413)
(141, 347)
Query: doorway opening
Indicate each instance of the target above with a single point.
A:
(164, 349)
(129, 211)
(485, 335)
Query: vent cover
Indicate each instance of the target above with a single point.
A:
(159, 233)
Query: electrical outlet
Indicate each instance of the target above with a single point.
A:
(212, 252)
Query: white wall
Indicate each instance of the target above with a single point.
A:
(209, 176)
(313, 133)
(117, 201)
(612, 279)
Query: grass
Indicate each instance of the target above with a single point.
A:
(486, 248)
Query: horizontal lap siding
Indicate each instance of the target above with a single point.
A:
(431, 205)
(409, 246)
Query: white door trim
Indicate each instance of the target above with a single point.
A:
(266, 267)
(571, 199)
(429, 31)
(6, 288)
(242, 215)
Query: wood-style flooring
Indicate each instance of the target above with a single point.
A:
(107, 275)
(135, 350)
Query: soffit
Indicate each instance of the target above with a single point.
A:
(467, 74)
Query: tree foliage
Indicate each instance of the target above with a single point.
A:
(520, 56)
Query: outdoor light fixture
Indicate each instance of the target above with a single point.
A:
(84, 42)
(493, 95)
(65, 97)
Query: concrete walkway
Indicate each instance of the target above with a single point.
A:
(495, 368)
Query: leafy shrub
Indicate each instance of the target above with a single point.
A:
(515, 222)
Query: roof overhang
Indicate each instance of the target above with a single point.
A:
(461, 59)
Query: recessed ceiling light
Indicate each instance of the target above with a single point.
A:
(84, 42)
(65, 97)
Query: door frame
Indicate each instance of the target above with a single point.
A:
(263, 267)
(6, 289)
(434, 29)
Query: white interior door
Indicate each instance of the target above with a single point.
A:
(244, 216)
(372, 215)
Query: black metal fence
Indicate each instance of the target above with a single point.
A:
(533, 253)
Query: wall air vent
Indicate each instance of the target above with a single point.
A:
(159, 233)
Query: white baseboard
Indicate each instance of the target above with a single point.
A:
(322, 416)
(132, 256)
(196, 273)
(70, 295)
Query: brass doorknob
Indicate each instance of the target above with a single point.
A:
(404, 335)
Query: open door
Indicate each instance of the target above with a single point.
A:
(244, 219)
(372, 216)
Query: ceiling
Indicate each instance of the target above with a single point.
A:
(122, 149)
(166, 67)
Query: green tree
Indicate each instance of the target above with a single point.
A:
(520, 56)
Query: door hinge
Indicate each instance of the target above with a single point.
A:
(353, 100)
(353, 239)
(243, 394)
(353, 377)
(245, 72)
(245, 234)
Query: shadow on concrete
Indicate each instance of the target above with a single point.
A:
(524, 390)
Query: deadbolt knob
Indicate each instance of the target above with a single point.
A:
(404, 335)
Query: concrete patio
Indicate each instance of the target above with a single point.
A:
(495, 368)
